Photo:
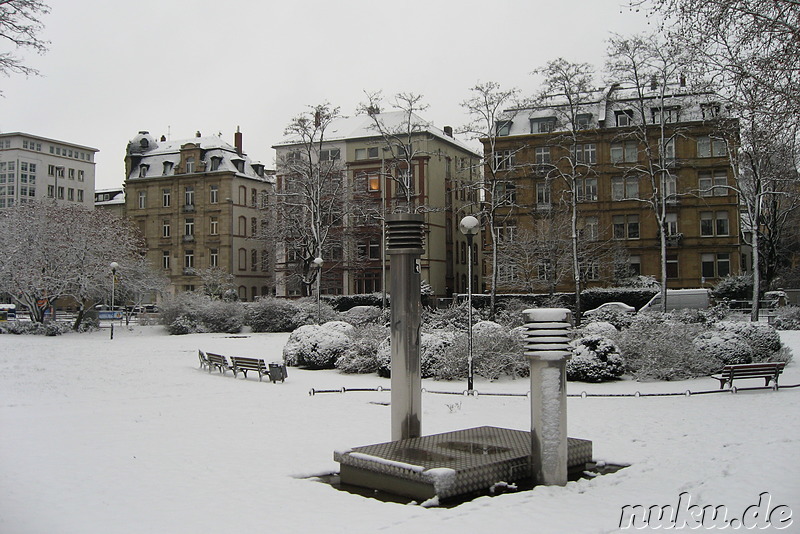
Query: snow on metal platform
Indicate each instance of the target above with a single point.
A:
(449, 464)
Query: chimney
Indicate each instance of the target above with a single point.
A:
(237, 141)
(448, 131)
(198, 134)
(163, 138)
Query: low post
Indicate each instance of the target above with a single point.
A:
(404, 246)
(547, 348)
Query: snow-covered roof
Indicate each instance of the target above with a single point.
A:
(363, 127)
(116, 196)
(154, 154)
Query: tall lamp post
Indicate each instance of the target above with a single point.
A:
(114, 266)
(469, 226)
(318, 264)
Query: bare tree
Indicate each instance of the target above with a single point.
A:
(20, 25)
(311, 195)
(399, 135)
(567, 91)
(491, 110)
(649, 68)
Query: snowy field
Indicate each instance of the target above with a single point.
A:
(128, 436)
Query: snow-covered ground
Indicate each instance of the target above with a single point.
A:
(128, 436)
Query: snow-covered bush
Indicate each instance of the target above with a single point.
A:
(221, 316)
(656, 349)
(619, 319)
(723, 346)
(269, 314)
(496, 351)
(762, 338)
(787, 318)
(315, 347)
(595, 358)
(734, 287)
(361, 355)
(190, 312)
(432, 350)
(37, 329)
(602, 328)
(184, 324)
(340, 326)
(453, 318)
(309, 313)
(362, 315)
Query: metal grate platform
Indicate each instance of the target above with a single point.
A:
(449, 464)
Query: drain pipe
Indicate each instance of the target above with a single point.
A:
(404, 236)
(547, 348)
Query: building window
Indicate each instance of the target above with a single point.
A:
(635, 265)
(665, 114)
(374, 249)
(188, 259)
(373, 182)
(590, 269)
(714, 223)
(368, 282)
(213, 257)
(330, 154)
(188, 227)
(583, 121)
(213, 196)
(165, 198)
(505, 193)
(542, 155)
(722, 227)
(142, 171)
(672, 266)
(586, 153)
(367, 153)
(710, 110)
(165, 229)
(80, 194)
(624, 117)
(670, 187)
(624, 152)
(503, 159)
(543, 125)
(710, 147)
(142, 197)
(165, 256)
(215, 161)
(80, 176)
(60, 192)
(506, 232)
(253, 260)
(167, 168)
(71, 194)
(242, 259)
(715, 265)
(586, 189)
(591, 229)
(626, 226)
(671, 224)
(189, 165)
(253, 226)
(188, 195)
(253, 198)
(624, 187)
(543, 193)
(669, 150)
(243, 226)
(712, 183)
(214, 229)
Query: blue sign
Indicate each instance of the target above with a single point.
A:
(110, 314)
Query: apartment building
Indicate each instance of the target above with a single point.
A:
(198, 203)
(618, 154)
(37, 168)
(374, 164)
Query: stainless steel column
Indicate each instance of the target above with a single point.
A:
(404, 246)
(547, 347)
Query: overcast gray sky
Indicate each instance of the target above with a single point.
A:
(173, 67)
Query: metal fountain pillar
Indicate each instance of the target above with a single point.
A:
(404, 245)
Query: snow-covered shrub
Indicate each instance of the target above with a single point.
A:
(340, 326)
(190, 312)
(723, 346)
(453, 318)
(654, 349)
(269, 314)
(734, 287)
(762, 338)
(707, 316)
(315, 346)
(362, 315)
(487, 329)
(184, 324)
(602, 328)
(309, 313)
(221, 316)
(619, 319)
(432, 350)
(595, 358)
(361, 355)
(36, 329)
(496, 352)
(787, 318)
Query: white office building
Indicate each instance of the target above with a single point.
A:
(36, 168)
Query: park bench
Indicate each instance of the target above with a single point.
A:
(248, 364)
(217, 360)
(203, 359)
(768, 371)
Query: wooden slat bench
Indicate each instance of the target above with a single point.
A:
(203, 359)
(248, 364)
(217, 360)
(767, 370)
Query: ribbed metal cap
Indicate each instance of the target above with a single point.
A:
(405, 232)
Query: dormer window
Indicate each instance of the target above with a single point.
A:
(189, 165)
(503, 128)
(666, 114)
(624, 117)
(144, 143)
(583, 121)
(167, 168)
(142, 170)
(543, 125)
(215, 162)
(239, 163)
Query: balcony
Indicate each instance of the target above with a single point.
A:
(188, 238)
(674, 240)
(188, 208)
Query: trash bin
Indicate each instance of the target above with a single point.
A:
(277, 371)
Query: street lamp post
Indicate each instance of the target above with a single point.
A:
(114, 265)
(469, 226)
(318, 264)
